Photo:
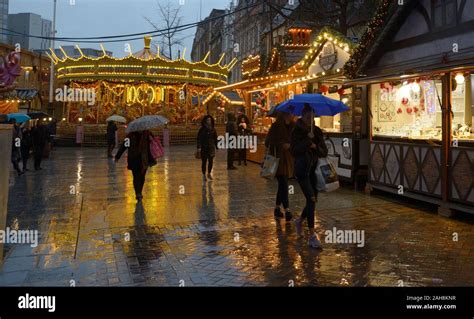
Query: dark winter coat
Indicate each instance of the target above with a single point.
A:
(39, 136)
(279, 134)
(139, 157)
(26, 143)
(111, 129)
(231, 126)
(207, 141)
(306, 158)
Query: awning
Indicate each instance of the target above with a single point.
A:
(26, 94)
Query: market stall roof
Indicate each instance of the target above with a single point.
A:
(230, 97)
(381, 35)
(301, 65)
(146, 65)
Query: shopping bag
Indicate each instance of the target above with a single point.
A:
(156, 149)
(269, 166)
(326, 176)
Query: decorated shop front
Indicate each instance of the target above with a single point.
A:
(422, 143)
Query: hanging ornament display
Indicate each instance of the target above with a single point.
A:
(405, 101)
(324, 89)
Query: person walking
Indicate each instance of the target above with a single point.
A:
(25, 145)
(243, 130)
(278, 145)
(307, 145)
(139, 158)
(231, 130)
(52, 129)
(39, 138)
(16, 139)
(111, 130)
(207, 145)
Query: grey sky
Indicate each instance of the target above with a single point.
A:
(89, 18)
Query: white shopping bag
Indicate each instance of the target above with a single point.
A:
(326, 176)
(270, 166)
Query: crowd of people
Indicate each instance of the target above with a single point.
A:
(30, 138)
(297, 143)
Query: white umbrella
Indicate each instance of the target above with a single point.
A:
(147, 122)
(117, 118)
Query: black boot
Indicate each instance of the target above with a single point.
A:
(277, 213)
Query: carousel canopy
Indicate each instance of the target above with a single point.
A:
(145, 65)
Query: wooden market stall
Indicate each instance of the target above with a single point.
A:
(312, 66)
(418, 62)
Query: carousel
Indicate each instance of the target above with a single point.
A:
(142, 83)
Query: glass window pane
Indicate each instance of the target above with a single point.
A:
(407, 110)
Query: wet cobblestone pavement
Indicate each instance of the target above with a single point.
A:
(220, 233)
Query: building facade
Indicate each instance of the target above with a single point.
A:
(4, 20)
(32, 24)
(208, 38)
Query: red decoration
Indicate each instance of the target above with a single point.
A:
(341, 91)
(399, 111)
(382, 85)
(324, 89)
(409, 110)
(415, 109)
(405, 101)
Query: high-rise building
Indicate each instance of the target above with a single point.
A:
(3, 20)
(29, 24)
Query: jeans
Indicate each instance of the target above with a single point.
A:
(138, 180)
(205, 159)
(110, 148)
(38, 155)
(282, 193)
(308, 186)
(230, 158)
(243, 156)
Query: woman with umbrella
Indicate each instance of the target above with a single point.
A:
(307, 145)
(137, 143)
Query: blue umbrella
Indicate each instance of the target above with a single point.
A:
(321, 105)
(19, 117)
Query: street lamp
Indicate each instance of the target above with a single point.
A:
(51, 75)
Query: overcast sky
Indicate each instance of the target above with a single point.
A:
(90, 18)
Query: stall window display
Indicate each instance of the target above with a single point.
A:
(410, 109)
(462, 105)
(340, 123)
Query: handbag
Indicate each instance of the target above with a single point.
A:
(269, 166)
(326, 176)
(156, 149)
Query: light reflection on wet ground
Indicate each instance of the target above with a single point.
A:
(219, 233)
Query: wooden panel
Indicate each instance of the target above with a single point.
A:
(415, 167)
(461, 175)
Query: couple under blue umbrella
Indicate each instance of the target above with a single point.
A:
(305, 142)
